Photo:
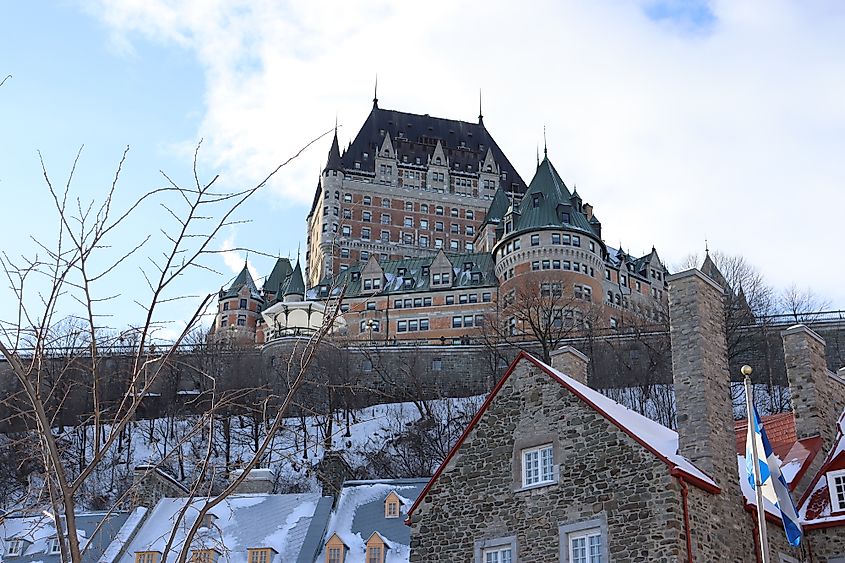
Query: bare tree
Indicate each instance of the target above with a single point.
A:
(803, 305)
(63, 296)
(542, 314)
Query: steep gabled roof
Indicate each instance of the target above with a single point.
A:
(815, 508)
(415, 136)
(654, 437)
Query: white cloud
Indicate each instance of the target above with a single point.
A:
(234, 259)
(732, 132)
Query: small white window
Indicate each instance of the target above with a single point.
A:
(53, 547)
(836, 485)
(537, 466)
(14, 548)
(585, 546)
(502, 554)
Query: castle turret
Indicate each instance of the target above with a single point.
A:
(238, 310)
(295, 290)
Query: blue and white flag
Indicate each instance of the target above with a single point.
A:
(774, 486)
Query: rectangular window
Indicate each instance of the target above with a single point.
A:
(346, 230)
(334, 555)
(54, 547)
(576, 240)
(401, 326)
(241, 320)
(836, 485)
(537, 466)
(409, 222)
(365, 233)
(585, 547)
(426, 301)
(486, 297)
(423, 324)
(436, 364)
(144, 556)
(535, 240)
(424, 224)
(555, 238)
(450, 299)
(456, 322)
(242, 304)
(347, 198)
(468, 321)
(367, 216)
(371, 305)
(374, 554)
(497, 555)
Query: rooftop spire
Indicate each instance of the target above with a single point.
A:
(706, 248)
(480, 115)
(545, 144)
(375, 93)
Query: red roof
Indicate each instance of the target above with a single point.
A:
(780, 428)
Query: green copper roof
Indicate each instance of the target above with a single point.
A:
(295, 285)
(498, 207)
(548, 203)
(274, 282)
(244, 279)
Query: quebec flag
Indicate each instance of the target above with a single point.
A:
(775, 489)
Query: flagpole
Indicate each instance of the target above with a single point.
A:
(758, 489)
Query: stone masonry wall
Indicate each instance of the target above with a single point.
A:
(827, 544)
(602, 473)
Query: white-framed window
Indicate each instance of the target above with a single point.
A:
(585, 546)
(497, 550)
(53, 546)
(584, 542)
(538, 465)
(836, 486)
(14, 547)
(497, 555)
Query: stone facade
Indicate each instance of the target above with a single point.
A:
(151, 484)
(478, 499)
(605, 475)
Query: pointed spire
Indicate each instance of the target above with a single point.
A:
(480, 115)
(375, 93)
(296, 285)
(334, 162)
(545, 144)
(706, 248)
(538, 155)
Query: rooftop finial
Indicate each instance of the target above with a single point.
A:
(706, 247)
(545, 144)
(538, 154)
(375, 93)
(480, 115)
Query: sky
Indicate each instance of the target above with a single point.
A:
(679, 121)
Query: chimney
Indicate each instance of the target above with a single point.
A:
(700, 372)
(588, 210)
(332, 471)
(817, 394)
(151, 483)
(571, 362)
(257, 481)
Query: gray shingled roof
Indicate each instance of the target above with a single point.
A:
(360, 512)
(274, 283)
(39, 529)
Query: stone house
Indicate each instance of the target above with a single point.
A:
(551, 470)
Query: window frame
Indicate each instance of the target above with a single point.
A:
(544, 479)
(835, 505)
(567, 532)
(485, 546)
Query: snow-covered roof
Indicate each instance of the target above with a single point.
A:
(38, 530)
(292, 525)
(360, 513)
(658, 439)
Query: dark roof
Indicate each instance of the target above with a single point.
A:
(552, 200)
(244, 279)
(481, 262)
(498, 207)
(333, 162)
(295, 285)
(281, 270)
(415, 135)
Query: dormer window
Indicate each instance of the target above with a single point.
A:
(204, 556)
(375, 549)
(260, 555)
(836, 486)
(147, 556)
(15, 547)
(401, 271)
(391, 505)
(54, 547)
(535, 200)
(438, 160)
(335, 550)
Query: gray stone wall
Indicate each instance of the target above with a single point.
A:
(150, 484)
(827, 544)
(602, 473)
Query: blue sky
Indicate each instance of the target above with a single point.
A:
(678, 121)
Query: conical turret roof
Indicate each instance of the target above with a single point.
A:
(244, 278)
(334, 162)
(296, 285)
